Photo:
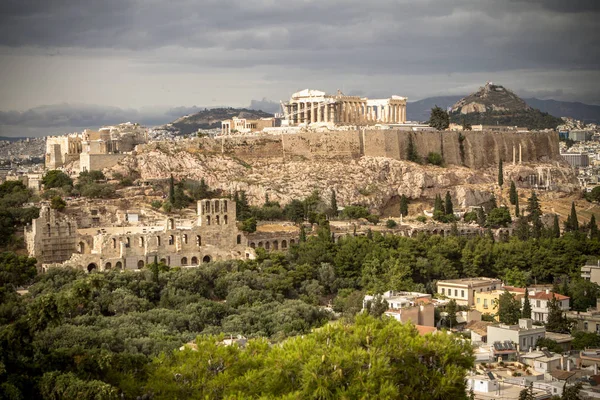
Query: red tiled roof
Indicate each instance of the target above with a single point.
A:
(423, 330)
(548, 296)
(513, 289)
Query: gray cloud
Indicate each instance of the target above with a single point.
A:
(132, 53)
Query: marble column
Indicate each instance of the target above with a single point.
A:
(313, 112)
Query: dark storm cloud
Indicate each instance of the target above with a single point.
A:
(365, 37)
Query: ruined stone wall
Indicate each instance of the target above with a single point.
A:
(479, 149)
(97, 162)
(51, 238)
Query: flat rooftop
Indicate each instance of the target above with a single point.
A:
(471, 281)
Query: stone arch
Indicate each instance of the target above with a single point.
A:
(184, 260)
(198, 240)
(225, 218)
(141, 241)
(119, 265)
(81, 247)
(171, 240)
(225, 208)
(292, 241)
(163, 260)
(194, 260)
(216, 206)
(91, 267)
(284, 244)
(217, 220)
(267, 245)
(206, 259)
(114, 243)
(49, 229)
(208, 220)
(108, 265)
(140, 264)
(260, 244)
(275, 245)
(158, 240)
(253, 245)
(185, 238)
(128, 242)
(239, 239)
(170, 223)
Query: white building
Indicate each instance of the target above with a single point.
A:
(540, 301)
(525, 334)
(463, 290)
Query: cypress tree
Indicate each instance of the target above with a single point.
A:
(574, 222)
(500, 174)
(513, 196)
(533, 207)
(403, 205)
(333, 202)
(517, 211)
(266, 199)
(448, 208)
(556, 227)
(593, 228)
(172, 190)
(526, 313)
(302, 238)
(412, 154)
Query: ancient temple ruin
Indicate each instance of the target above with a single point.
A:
(316, 107)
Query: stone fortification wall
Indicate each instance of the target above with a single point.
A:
(97, 162)
(478, 149)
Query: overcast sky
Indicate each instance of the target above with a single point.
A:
(135, 54)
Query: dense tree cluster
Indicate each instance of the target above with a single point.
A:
(371, 358)
(13, 196)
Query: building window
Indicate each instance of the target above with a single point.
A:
(198, 240)
(114, 243)
(443, 291)
(537, 303)
(462, 294)
(208, 220)
(239, 239)
(225, 206)
(455, 292)
(485, 303)
(217, 221)
(141, 242)
(185, 239)
(127, 242)
(158, 240)
(171, 240)
(585, 326)
(225, 218)
(184, 261)
(217, 206)
(478, 300)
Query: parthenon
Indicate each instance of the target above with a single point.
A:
(313, 106)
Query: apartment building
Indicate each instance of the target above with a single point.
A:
(540, 304)
(463, 291)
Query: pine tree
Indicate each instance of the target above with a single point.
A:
(403, 205)
(493, 203)
(244, 209)
(526, 313)
(513, 196)
(448, 208)
(522, 230)
(480, 217)
(556, 227)
(527, 394)
(439, 118)
(500, 174)
(451, 309)
(172, 190)
(509, 308)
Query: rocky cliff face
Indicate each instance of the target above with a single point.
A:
(368, 180)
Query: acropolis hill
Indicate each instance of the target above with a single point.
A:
(363, 165)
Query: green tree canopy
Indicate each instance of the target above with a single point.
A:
(56, 179)
(439, 118)
(509, 308)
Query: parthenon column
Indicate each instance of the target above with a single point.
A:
(313, 112)
(397, 106)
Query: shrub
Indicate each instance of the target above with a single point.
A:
(374, 219)
(435, 159)
(57, 203)
(390, 223)
(355, 212)
(156, 204)
(421, 218)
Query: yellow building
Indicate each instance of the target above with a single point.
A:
(487, 302)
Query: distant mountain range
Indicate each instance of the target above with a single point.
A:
(420, 110)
